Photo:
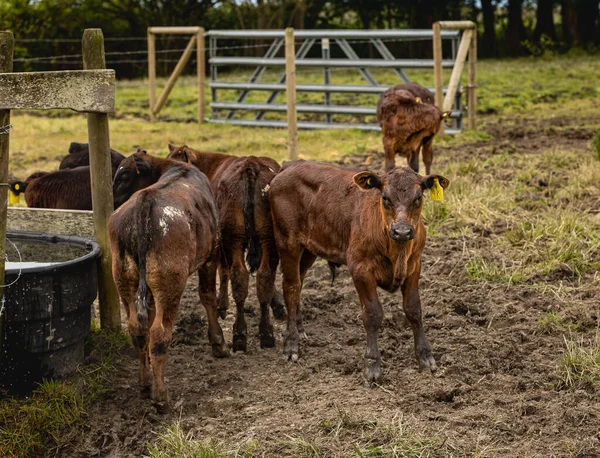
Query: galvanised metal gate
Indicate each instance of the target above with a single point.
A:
(308, 40)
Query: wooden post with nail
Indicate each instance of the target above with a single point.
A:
(101, 177)
(7, 45)
(290, 82)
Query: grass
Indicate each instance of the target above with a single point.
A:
(45, 423)
(596, 144)
(579, 367)
(173, 442)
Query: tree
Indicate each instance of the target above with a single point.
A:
(488, 45)
(515, 31)
(544, 20)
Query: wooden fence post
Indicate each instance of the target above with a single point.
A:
(174, 76)
(101, 177)
(290, 82)
(459, 64)
(437, 70)
(472, 86)
(7, 44)
(200, 69)
(152, 72)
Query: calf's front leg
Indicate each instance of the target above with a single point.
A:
(411, 302)
(372, 319)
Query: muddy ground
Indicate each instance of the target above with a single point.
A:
(495, 393)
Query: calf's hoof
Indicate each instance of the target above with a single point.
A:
(220, 350)
(278, 306)
(427, 362)
(160, 400)
(290, 349)
(162, 408)
(145, 391)
(267, 340)
(222, 312)
(372, 371)
(239, 342)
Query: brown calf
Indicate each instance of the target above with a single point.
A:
(370, 222)
(240, 186)
(165, 229)
(79, 155)
(68, 189)
(409, 120)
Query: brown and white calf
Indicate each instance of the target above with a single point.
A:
(370, 222)
(240, 186)
(409, 120)
(166, 228)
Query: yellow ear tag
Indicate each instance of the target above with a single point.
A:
(437, 192)
(14, 199)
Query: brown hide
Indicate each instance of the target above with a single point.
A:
(65, 189)
(372, 223)
(240, 186)
(162, 233)
(408, 121)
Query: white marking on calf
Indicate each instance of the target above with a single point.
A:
(170, 214)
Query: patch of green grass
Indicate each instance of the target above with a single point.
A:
(480, 269)
(579, 366)
(596, 144)
(173, 442)
(377, 438)
(48, 418)
(29, 428)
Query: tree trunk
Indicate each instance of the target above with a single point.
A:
(568, 14)
(544, 21)
(587, 14)
(515, 31)
(488, 45)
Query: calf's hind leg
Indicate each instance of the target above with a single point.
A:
(290, 269)
(265, 289)
(239, 286)
(223, 298)
(207, 292)
(167, 295)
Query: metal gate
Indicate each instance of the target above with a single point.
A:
(308, 41)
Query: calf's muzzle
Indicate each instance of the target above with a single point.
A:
(402, 232)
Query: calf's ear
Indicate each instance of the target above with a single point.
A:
(142, 166)
(429, 181)
(367, 180)
(172, 148)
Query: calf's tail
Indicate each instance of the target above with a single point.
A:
(143, 245)
(254, 253)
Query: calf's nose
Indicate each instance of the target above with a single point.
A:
(402, 232)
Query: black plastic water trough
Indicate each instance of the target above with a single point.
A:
(47, 307)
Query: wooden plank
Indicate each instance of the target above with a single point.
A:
(152, 72)
(7, 45)
(200, 70)
(175, 30)
(472, 87)
(461, 57)
(456, 25)
(183, 60)
(437, 70)
(290, 82)
(102, 196)
(79, 90)
(52, 221)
